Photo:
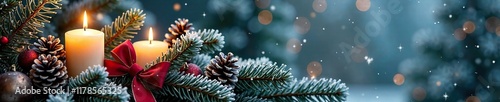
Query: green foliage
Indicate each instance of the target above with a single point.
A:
(65, 97)
(305, 90)
(250, 99)
(125, 80)
(116, 93)
(123, 28)
(212, 41)
(23, 24)
(261, 73)
(93, 81)
(195, 88)
(92, 77)
(202, 60)
(182, 51)
(7, 6)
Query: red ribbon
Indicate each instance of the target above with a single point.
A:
(124, 63)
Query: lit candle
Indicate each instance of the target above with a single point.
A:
(84, 48)
(148, 50)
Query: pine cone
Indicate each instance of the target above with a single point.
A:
(50, 45)
(223, 69)
(181, 27)
(48, 71)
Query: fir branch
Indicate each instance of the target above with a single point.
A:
(28, 18)
(194, 88)
(125, 27)
(114, 93)
(125, 80)
(92, 77)
(250, 99)
(182, 51)
(7, 6)
(64, 97)
(23, 24)
(261, 73)
(201, 60)
(212, 41)
(306, 90)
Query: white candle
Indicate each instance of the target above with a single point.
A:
(148, 50)
(84, 48)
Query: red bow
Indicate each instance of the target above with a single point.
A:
(124, 63)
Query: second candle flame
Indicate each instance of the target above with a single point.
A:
(85, 20)
(150, 35)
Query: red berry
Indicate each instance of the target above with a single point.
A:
(4, 40)
(193, 69)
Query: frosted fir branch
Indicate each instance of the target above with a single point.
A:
(256, 74)
(306, 90)
(250, 99)
(7, 6)
(195, 88)
(124, 27)
(92, 77)
(202, 61)
(182, 51)
(213, 41)
(64, 97)
(116, 93)
(23, 23)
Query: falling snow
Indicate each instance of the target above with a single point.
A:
(368, 59)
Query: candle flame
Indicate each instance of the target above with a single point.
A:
(85, 25)
(150, 35)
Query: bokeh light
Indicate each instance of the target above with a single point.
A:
(472, 99)
(469, 27)
(302, 25)
(363, 5)
(313, 15)
(492, 23)
(177, 7)
(314, 68)
(398, 79)
(459, 34)
(319, 5)
(265, 17)
(262, 4)
(293, 45)
(419, 93)
(497, 31)
(438, 83)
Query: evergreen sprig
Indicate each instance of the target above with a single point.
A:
(202, 60)
(250, 99)
(64, 97)
(92, 77)
(212, 41)
(115, 93)
(195, 88)
(182, 51)
(23, 24)
(7, 6)
(124, 27)
(305, 90)
(261, 73)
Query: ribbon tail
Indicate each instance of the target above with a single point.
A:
(140, 93)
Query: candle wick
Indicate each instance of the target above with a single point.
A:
(84, 28)
(150, 41)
